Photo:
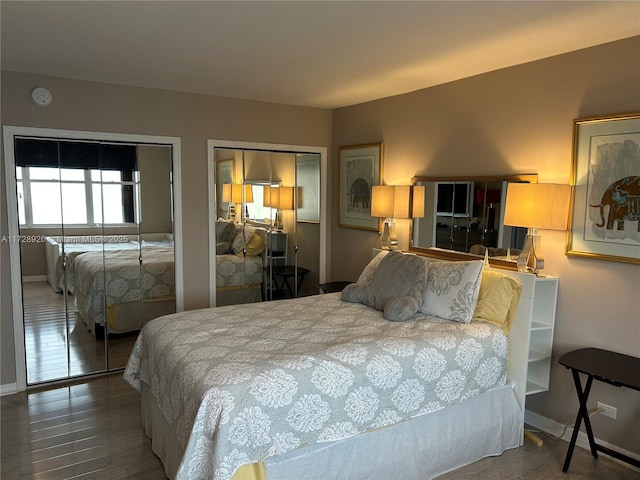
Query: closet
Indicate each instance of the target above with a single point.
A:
(279, 198)
(95, 249)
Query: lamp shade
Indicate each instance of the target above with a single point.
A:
(537, 205)
(391, 201)
(382, 199)
(418, 197)
(226, 192)
(233, 193)
(285, 201)
(267, 194)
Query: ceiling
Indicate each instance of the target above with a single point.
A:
(317, 54)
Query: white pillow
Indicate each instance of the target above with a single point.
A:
(452, 290)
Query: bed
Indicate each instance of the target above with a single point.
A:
(320, 387)
(114, 290)
(240, 258)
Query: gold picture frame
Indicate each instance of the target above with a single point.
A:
(604, 220)
(360, 169)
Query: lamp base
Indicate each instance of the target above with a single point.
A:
(530, 259)
(387, 240)
(231, 213)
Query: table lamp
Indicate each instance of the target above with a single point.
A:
(395, 201)
(536, 206)
(232, 194)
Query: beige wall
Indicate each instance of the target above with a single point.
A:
(519, 120)
(101, 107)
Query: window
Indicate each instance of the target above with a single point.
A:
(51, 196)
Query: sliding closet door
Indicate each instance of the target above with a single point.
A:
(96, 250)
(114, 298)
(307, 221)
(53, 188)
(152, 279)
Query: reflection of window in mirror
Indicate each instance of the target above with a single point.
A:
(260, 210)
(466, 214)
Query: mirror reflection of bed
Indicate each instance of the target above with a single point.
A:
(280, 206)
(76, 324)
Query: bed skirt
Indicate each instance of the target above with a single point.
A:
(128, 316)
(421, 448)
(242, 294)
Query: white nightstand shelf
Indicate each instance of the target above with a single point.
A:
(533, 334)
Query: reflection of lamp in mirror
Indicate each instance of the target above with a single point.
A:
(232, 194)
(271, 199)
(285, 202)
(395, 201)
(278, 198)
(536, 206)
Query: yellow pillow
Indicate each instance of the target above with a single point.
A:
(498, 299)
(255, 246)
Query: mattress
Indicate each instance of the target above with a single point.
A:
(243, 384)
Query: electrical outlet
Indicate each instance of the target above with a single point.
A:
(609, 411)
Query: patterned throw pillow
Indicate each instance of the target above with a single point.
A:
(225, 231)
(242, 238)
(452, 290)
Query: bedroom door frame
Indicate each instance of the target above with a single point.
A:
(275, 147)
(13, 227)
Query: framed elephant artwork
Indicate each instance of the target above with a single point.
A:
(605, 210)
(360, 169)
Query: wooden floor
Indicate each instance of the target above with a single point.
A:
(93, 431)
(48, 331)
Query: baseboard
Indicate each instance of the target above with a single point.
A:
(34, 278)
(559, 430)
(8, 389)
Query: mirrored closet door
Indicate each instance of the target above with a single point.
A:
(275, 251)
(96, 251)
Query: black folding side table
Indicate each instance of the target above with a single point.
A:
(610, 367)
(284, 273)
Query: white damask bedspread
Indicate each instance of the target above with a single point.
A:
(234, 271)
(125, 279)
(242, 383)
